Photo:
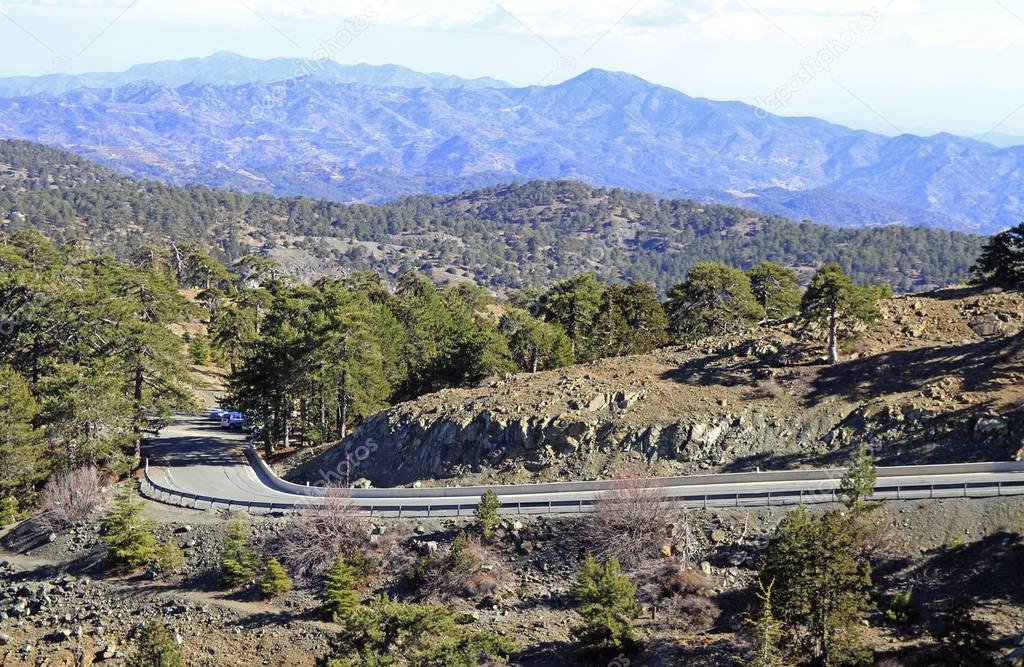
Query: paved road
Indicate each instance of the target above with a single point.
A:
(195, 457)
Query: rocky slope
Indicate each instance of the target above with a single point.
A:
(938, 380)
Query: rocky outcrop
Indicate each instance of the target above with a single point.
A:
(927, 385)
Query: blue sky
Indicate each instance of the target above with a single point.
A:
(893, 66)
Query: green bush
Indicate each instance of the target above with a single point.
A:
(902, 610)
(606, 599)
(157, 647)
(387, 632)
(239, 563)
(169, 557)
(130, 540)
(275, 579)
(340, 598)
(487, 519)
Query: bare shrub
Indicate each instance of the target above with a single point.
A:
(465, 568)
(631, 521)
(70, 498)
(882, 538)
(314, 536)
(684, 596)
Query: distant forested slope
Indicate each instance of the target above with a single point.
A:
(504, 237)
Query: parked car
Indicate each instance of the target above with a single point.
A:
(215, 414)
(236, 420)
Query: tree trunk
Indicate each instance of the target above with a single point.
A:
(833, 342)
(287, 423)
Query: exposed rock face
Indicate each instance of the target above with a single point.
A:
(922, 387)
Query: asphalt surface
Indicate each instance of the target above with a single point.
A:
(194, 457)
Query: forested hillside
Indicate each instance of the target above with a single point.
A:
(503, 237)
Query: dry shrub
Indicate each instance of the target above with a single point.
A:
(465, 568)
(391, 552)
(631, 521)
(684, 596)
(70, 498)
(881, 536)
(314, 536)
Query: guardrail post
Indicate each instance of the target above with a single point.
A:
(965, 489)
(737, 500)
(769, 499)
(999, 488)
(581, 506)
(897, 492)
(931, 490)
(705, 501)
(428, 511)
(519, 508)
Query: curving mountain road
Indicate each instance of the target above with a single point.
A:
(196, 464)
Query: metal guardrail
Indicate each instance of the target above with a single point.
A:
(164, 494)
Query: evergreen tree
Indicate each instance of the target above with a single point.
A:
(765, 632)
(1002, 259)
(606, 600)
(21, 445)
(487, 518)
(575, 305)
(776, 289)
(820, 586)
(157, 647)
(130, 540)
(389, 632)
(858, 481)
(834, 301)
(632, 320)
(340, 598)
(239, 563)
(715, 300)
(275, 579)
(533, 344)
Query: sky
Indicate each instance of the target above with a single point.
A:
(891, 66)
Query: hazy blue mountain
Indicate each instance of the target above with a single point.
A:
(354, 141)
(225, 68)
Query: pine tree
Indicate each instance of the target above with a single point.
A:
(715, 300)
(820, 585)
(130, 540)
(776, 289)
(239, 563)
(340, 598)
(21, 444)
(487, 518)
(389, 632)
(157, 647)
(606, 600)
(275, 579)
(858, 482)
(1002, 259)
(575, 305)
(535, 345)
(834, 301)
(765, 632)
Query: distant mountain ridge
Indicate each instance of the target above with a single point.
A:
(373, 141)
(230, 69)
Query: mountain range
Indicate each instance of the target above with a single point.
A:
(228, 69)
(385, 132)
